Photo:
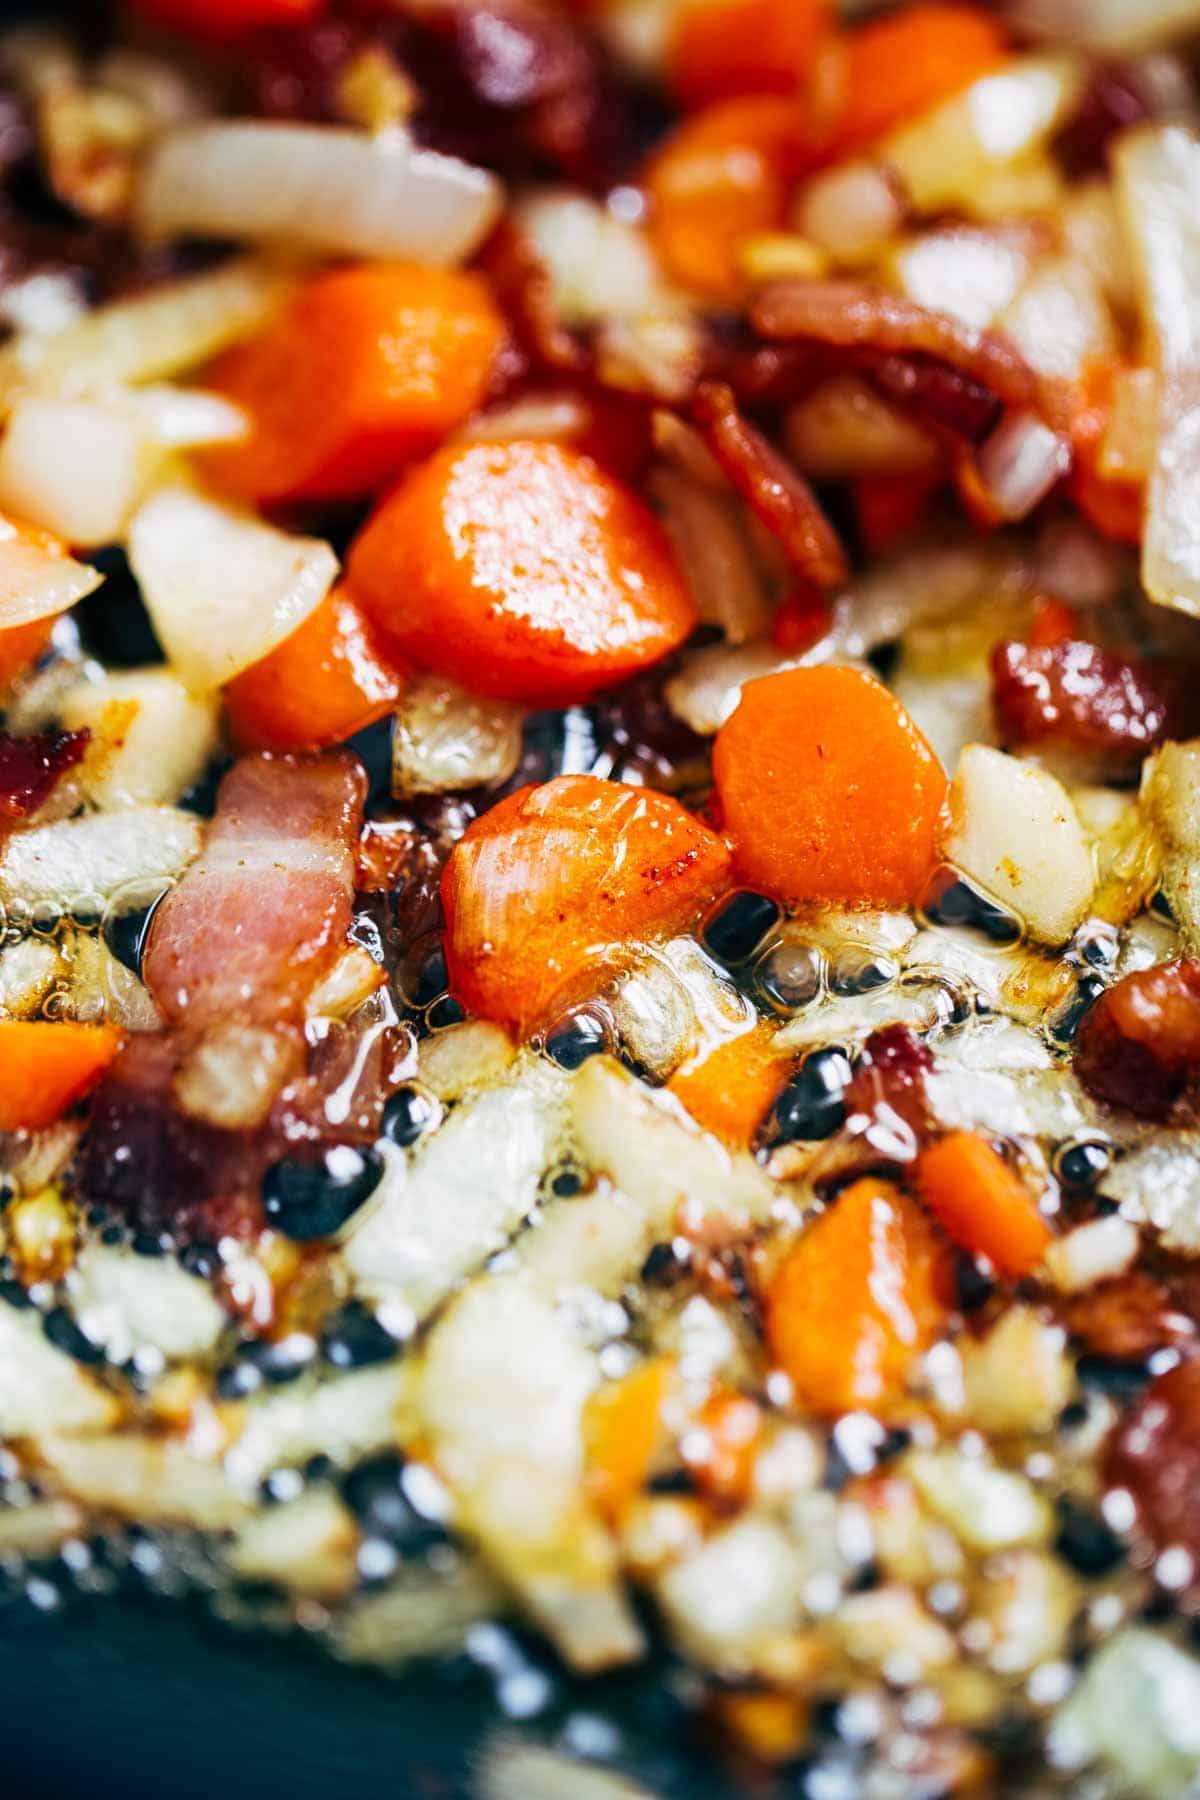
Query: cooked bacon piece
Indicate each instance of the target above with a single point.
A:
(1155, 1454)
(852, 315)
(31, 768)
(1139, 1046)
(1127, 1320)
(1073, 692)
(771, 486)
(945, 396)
(256, 920)
(888, 1085)
(523, 287)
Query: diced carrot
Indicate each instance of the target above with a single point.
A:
(623, 1432)
(827, 790)
(45, 1066)
(729, 1089)
(367, 368)
(982, 1204)
(904, 64)
(1113, 505)
(889, 507)
(21, 645)
(802, 619)
(521, 570)
(727, 1440)
(326, 681)
(719, 49)
(227, 18)
(1053, 622)
(855, 1300)
(555, 882)
(725, 175)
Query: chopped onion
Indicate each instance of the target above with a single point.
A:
(1094, 239)
(41, 1387)
(1158, 174)
(172, 328)
(1060, 320)
(1115, 26)
(35, 581)
(1136, 1708)
(1128, 446)
(706, 527)
(1093, 1252)
(851, 212)
(127, 1303)
(146, 1479)
(222, 588)
(599, 266)
(324, 188)
(446, 738)
(948, 156)
(844, 429)
(965, 270)
(1020, 463)
(163, 739)
(97, 853)
(77, 468)
(307, 1546)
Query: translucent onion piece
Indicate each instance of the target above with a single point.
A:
(328, 189)
(172, 328)
(1060, 320)
(851, 212)
(1127, 449)
(1020, 463)
(1108, 25)
(222, 588)
(706, 528)
(35, 582)
(599, 267)
(75, 467)
(1158, 175)
(965, 270)
(446, 738)
(844, 429)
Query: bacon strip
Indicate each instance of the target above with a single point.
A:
(771, 486)
(30, 769)
(258, 918)
(851, 315)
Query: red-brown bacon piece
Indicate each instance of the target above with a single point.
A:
(1139, 1046)
(256, 920)
(771, 486)
(31, 768)
(1076, 693)
(1155, 1454)
(852, 315)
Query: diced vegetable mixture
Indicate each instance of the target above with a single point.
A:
(600, 865)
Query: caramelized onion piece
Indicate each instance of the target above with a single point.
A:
(1139, 1046)
(771, 486)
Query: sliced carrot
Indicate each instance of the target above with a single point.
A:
(728, 1437)
(45, 1066)
(556, 881)
(903, 64)
(1113, 505)
(226, 18)
(721, 48)
(623, 1432)
(20, 646)
(729, 1089)
(366, 369)
(828, 790)
(890, 507)
(321, 685)
(521, 570)
(982, 1204)
(725, 175)
(855, 1300)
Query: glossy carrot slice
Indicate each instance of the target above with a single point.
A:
(827, 790)
(45, 1066)
(367, 368)
(521, 570)
(721, 48)
(552, 885)
(622, 1433)
(321, 685)
(982, 1204)
(902, 65)
(730, 1089)
(855, 1300)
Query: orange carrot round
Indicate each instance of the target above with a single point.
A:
(723, 176)
(521, 570)
(828, 790)
(904, 64)
(729, 1089)
(554, 882)
(855, 1300)
(46, 1065)
(982, 1204)
(719, 48)
(367, 368)
(321, 685)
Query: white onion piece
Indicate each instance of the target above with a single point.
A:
(966, 271)
(325, 188)
(1060, 320)
(172, 328)
(845, 429)
(851, 211)
(77, 468)
(1158, 175)
(154, 738)
(222, 588)
(1020, 463)
(1110, 25)
(599, 266)
(35, 583)
(706, 528)
(446, 738)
